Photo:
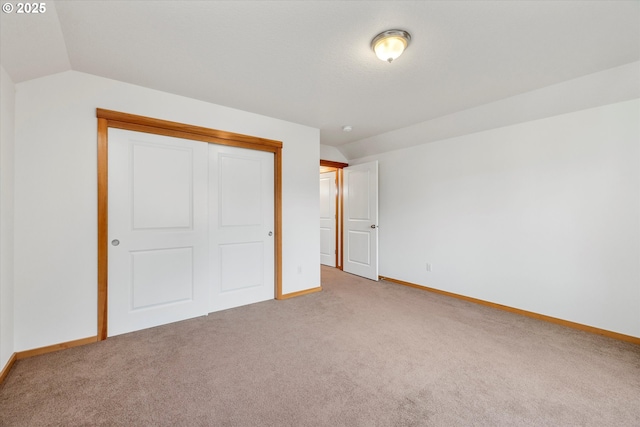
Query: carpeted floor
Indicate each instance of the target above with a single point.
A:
(359, 353)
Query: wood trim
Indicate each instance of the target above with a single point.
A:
(278, 222)
(338, 221)
(194, 137)
(341, 231)
(300, 293)
(557, 321)
(332, 164)
(55, 347)
(132, 119)
(114, 119)
(103, 228)
(7, 367)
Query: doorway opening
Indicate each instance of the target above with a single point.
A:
(331, 200)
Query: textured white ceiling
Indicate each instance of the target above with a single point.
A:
(32, 46)
(310, 62)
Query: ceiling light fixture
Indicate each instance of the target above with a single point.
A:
(390, 44)
(347, 128)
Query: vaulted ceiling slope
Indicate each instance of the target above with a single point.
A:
(310, 62)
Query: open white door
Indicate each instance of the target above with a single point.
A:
(328, 218)
(361, 220)
(158, 246)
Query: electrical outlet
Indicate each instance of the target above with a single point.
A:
(299, 269)
(429, 267)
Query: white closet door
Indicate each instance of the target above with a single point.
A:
(241, 206)
(158, 245)
(328, 218)
(361, 220)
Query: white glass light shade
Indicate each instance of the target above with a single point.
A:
(390, 44)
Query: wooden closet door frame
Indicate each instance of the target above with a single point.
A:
(117, 120)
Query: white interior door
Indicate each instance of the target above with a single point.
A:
(361, 220)
(328, 218)
(241, 205)
(158, 245)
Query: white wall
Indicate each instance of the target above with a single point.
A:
(7, 107)
(55, 189)
(328, 152)
(543, 216)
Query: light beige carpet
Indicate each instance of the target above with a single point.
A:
(359, 353)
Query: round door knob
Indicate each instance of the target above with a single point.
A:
(271, 233)
(115, 242)
(374, 226)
